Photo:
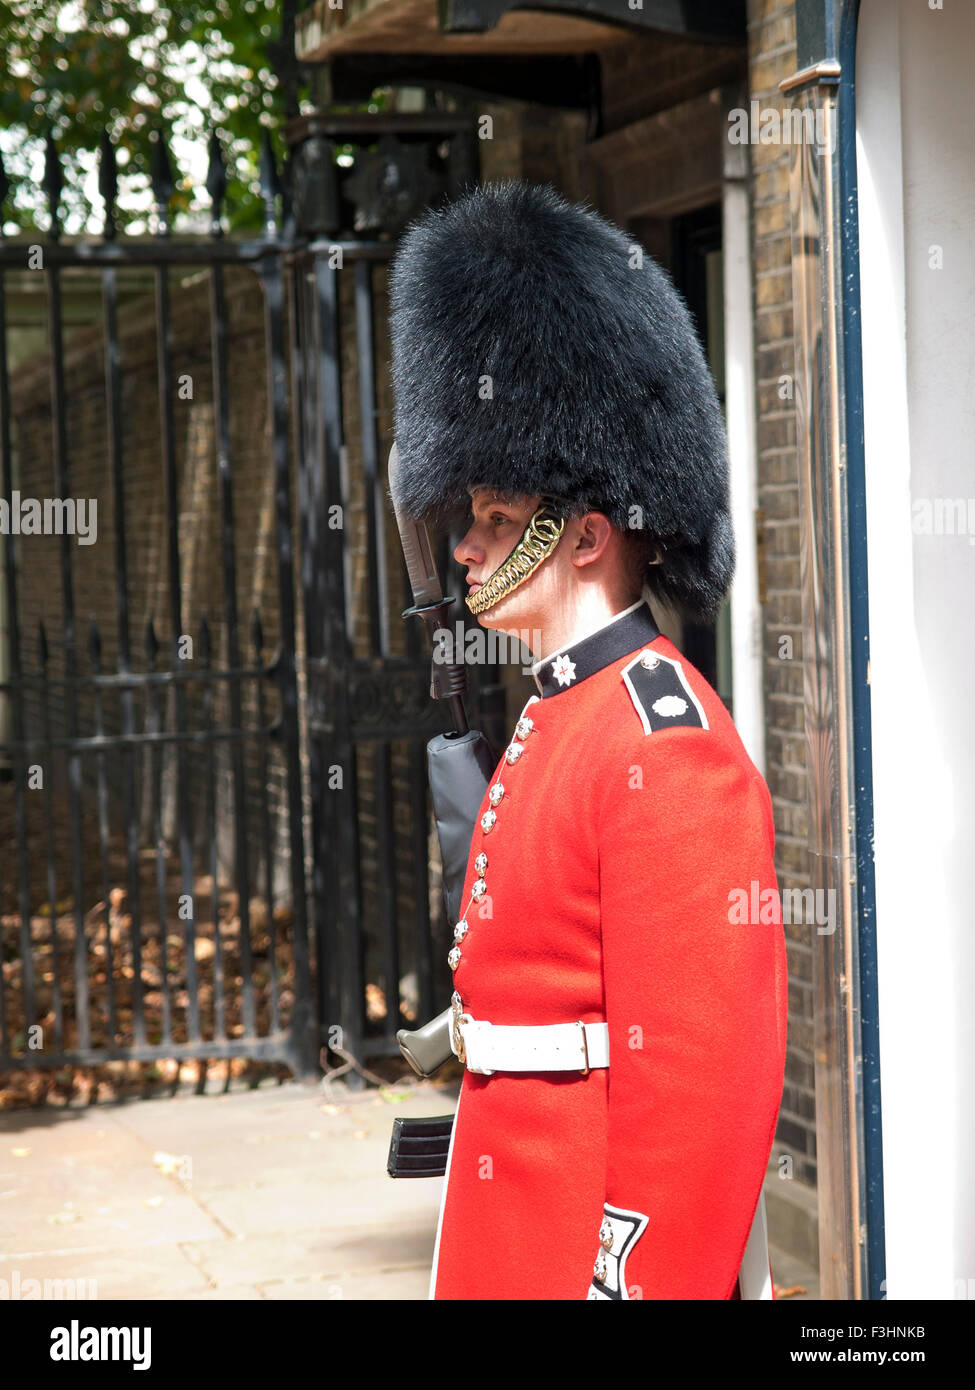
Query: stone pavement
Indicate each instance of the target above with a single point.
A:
(276, 1193)
(272, 1193)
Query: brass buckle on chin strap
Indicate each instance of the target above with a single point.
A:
(538, 540)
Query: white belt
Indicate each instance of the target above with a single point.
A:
(491, 1047)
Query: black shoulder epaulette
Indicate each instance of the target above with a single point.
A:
(661, 693)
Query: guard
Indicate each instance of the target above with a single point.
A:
(623, 1032)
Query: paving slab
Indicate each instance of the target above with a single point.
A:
(285, 1197)
(44, 1221)
(159, 1271)
(274, 1193)
(384, 1284)
(792, 1273)
(264, 1209)
(315, 1253)
(231, 1292)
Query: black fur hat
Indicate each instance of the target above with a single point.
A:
(537, 348)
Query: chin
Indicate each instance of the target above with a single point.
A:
(502, 616)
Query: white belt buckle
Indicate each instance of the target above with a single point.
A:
(584, 1069)
(467, 1027)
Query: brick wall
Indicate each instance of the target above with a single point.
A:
(771, 57)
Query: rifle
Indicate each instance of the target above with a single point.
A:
(459, 765)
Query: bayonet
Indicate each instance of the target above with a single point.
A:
(448, 679)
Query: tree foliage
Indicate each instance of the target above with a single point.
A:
(132, 67)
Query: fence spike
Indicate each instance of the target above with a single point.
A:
(42, 648)
(257, 633)
(53, 183)
(152, 641)
(94, 640)
(287, 196)
(270, 184)
(4, 189)
(107, 182)
(161, 174)
(204, 640)
(216, 183)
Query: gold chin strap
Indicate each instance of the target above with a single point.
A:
(538, 540)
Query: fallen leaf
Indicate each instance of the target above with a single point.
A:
(168, 1163)
(375, 1003)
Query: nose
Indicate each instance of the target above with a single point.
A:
(468, 552)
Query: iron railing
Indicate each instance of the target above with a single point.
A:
(246, 816)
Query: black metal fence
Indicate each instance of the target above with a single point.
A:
(215, 841)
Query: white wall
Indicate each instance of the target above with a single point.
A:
(739, 372)
(916, 174)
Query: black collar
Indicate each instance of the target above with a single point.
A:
(563, 669)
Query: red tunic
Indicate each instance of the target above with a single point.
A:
(628, 829)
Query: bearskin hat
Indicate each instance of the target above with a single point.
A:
(537, 348)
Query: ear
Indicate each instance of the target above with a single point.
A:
(594, 535)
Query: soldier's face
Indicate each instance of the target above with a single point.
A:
(589, 555)
(496, 526)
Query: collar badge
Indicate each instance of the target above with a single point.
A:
(564, 670)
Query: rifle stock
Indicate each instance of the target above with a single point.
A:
(427, 1048)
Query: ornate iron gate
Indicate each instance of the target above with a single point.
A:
(214, 831)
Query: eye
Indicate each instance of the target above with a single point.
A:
(498, 516)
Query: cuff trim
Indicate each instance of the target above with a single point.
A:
(620, 1231)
